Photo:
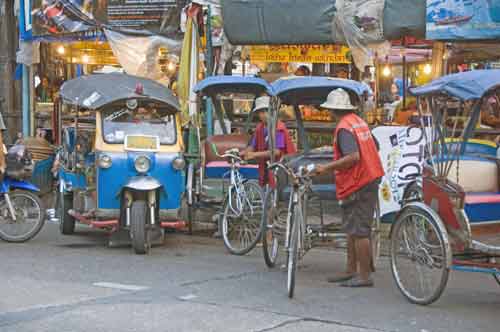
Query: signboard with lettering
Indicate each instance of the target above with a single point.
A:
(402, 154)
(300, 53)
(52, 17)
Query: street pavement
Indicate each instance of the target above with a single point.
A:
(75, 283)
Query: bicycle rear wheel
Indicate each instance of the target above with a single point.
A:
(242, 232)
(293, 251)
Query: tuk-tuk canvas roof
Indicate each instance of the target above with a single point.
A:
(466, 86)
(233, 83)
(95, 91)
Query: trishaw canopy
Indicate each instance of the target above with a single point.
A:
(465, 86)
(313, 89)
(95, 91)
(243, 84)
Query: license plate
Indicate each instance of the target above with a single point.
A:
(142, 143)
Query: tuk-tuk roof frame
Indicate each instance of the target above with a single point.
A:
(95, 91)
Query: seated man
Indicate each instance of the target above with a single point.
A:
(259, 146)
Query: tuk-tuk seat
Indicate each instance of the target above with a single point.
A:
(216, 167)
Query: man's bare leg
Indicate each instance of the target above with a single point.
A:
(352, 263)
(364, 257)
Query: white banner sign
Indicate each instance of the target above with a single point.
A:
(402, 154)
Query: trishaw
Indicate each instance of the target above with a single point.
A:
(220, 175)
(289, 207)
(453, 223)
(121, 164)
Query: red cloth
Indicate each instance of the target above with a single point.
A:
(260, 140)
(368, 169)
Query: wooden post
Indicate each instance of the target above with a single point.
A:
(438, 50)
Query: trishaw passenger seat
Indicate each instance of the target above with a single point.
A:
(476, 175)
(216, 167)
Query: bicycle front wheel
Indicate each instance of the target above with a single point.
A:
(270, 221)
(242, 232)
(293, 251)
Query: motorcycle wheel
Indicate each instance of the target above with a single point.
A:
(66, 222)
(138, 232)
(30, 217)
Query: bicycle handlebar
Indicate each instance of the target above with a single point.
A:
(303, 173)
(228, 154)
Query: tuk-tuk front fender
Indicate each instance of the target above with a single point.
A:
(142, 183)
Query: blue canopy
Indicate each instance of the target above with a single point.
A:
(312, 90)
(466, 86)
(218, 84)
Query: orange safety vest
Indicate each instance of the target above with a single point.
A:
(368, 169)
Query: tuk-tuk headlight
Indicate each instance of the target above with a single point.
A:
(179, 163)
(142, 164)
(104, 161)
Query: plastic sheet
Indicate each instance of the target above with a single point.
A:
(404, 18)
(361, 24)
(138, 55)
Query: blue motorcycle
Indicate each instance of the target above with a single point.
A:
(21, 210)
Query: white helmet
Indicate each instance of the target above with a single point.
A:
(262, 103)
(338, 99)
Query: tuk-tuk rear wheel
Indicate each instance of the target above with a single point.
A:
(138, 231)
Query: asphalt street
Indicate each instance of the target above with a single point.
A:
(75, 283)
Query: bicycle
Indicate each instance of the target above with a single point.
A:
(241, 227)
(295, 234)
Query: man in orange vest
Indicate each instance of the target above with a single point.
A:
(358, 170)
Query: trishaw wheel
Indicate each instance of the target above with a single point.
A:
(413, 193)
(376, 235)
(270, 242)
(242, 232)
(419, 255)
(497, 277)
(139, 234)
(293, 253)
(66, 222)
(30, 217)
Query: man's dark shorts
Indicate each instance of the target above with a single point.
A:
(358, 211)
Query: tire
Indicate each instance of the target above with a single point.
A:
(190, 197)
(430, 251)
(29, 212)
(497, 278)
(376, 235)
(270, 242)
(66, 222)
(293, 252)
(138, 231)
(242, 233)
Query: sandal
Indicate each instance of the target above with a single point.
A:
(341, 277)
(357, 282)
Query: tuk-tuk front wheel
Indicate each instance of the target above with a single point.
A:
(66, 222)
(138, 231)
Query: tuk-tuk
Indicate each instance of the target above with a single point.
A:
(121, 164)
(222, 178)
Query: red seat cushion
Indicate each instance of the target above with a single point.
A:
(479, 198)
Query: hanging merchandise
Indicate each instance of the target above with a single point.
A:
(139, 54)
(361, 24)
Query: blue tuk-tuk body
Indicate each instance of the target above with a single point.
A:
(129, 168)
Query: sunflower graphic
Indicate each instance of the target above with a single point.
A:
(386, 192)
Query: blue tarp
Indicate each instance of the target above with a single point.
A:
(233, 83)
(466, 86)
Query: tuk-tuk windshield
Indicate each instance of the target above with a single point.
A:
(117, 123)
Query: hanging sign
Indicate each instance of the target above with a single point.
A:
(463, 19)
(69, 16)
(300, 53)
